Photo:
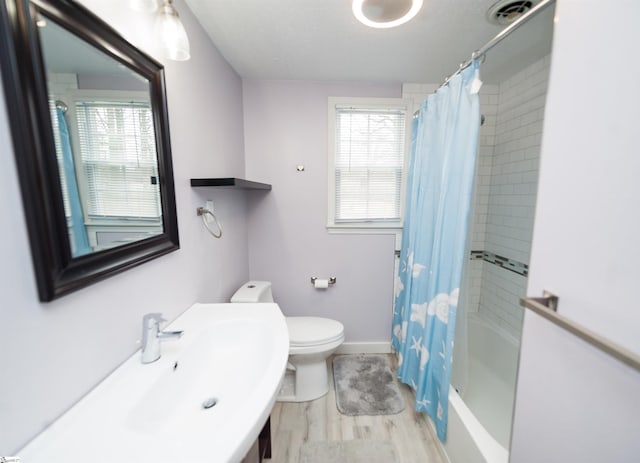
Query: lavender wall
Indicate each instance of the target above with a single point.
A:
(286, 125)
(52, 354)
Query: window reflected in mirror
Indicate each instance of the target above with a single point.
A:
(105, 144)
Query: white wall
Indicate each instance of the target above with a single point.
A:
(52, 354)
(573, 402)
(286, 125)
(591, 157)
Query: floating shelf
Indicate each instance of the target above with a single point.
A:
(230, 182)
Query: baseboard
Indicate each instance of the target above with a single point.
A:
(364, 348)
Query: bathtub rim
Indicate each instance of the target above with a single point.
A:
(489, 448)
(485, 443)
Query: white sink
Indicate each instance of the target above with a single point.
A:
(233, 354)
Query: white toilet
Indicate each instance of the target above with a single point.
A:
(311, 341)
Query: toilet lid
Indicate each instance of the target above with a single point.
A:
(305, 331)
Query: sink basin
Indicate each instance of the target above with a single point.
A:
(205, 400)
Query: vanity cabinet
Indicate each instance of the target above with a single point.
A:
(264, 441)
(261, 448)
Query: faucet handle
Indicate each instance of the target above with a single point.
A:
(150, 322)
(154, 316)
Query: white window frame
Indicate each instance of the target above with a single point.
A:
(365, 103)
(97, 225)
(75, 96)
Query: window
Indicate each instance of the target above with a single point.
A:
(368, 145)
(118, 155)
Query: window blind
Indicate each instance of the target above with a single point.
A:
(118, 153)
(369, 158)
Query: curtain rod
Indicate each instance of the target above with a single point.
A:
(501, 36)
(61, 105)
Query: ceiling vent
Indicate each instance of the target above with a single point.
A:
(507, 11)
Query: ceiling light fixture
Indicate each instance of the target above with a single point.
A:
(146, 6)
(173, 36)
(384, 14)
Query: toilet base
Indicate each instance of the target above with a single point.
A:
(306, 381)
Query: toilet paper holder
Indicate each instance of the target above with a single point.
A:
(332, 280)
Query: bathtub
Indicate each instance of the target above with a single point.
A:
(480, 423)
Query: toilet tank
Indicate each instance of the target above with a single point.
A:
(253, 291)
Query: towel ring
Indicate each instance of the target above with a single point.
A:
(203, 211)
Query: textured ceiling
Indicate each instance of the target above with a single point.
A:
(321, 40)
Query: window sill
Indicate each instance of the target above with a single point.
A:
(360, 230)
(123, 222)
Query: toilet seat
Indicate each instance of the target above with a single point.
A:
(313, 331)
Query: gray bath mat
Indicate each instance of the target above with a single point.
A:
(365, 385)
(353, 451)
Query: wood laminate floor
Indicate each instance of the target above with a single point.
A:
(293, 424)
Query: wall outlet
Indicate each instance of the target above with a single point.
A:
(209, 206)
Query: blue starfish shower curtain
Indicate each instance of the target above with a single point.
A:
(79, 240)
(440, 184)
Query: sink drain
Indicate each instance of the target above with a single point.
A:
(209, 403)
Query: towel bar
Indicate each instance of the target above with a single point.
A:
(547, 307)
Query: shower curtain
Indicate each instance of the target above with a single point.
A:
(439, 192)
(78, 239)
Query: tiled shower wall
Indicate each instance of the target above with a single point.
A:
(489, 95)
(506, 180)
(512, 195)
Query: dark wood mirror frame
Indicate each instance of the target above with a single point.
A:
(25, 86)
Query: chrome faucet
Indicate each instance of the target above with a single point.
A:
(151, 337)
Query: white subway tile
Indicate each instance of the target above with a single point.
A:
(506, 184)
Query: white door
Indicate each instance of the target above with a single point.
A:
(575, 403)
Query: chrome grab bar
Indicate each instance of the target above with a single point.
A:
(548, 300)
(547, 307)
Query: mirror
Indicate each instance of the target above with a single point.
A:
(90, 131)
(103, 133)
